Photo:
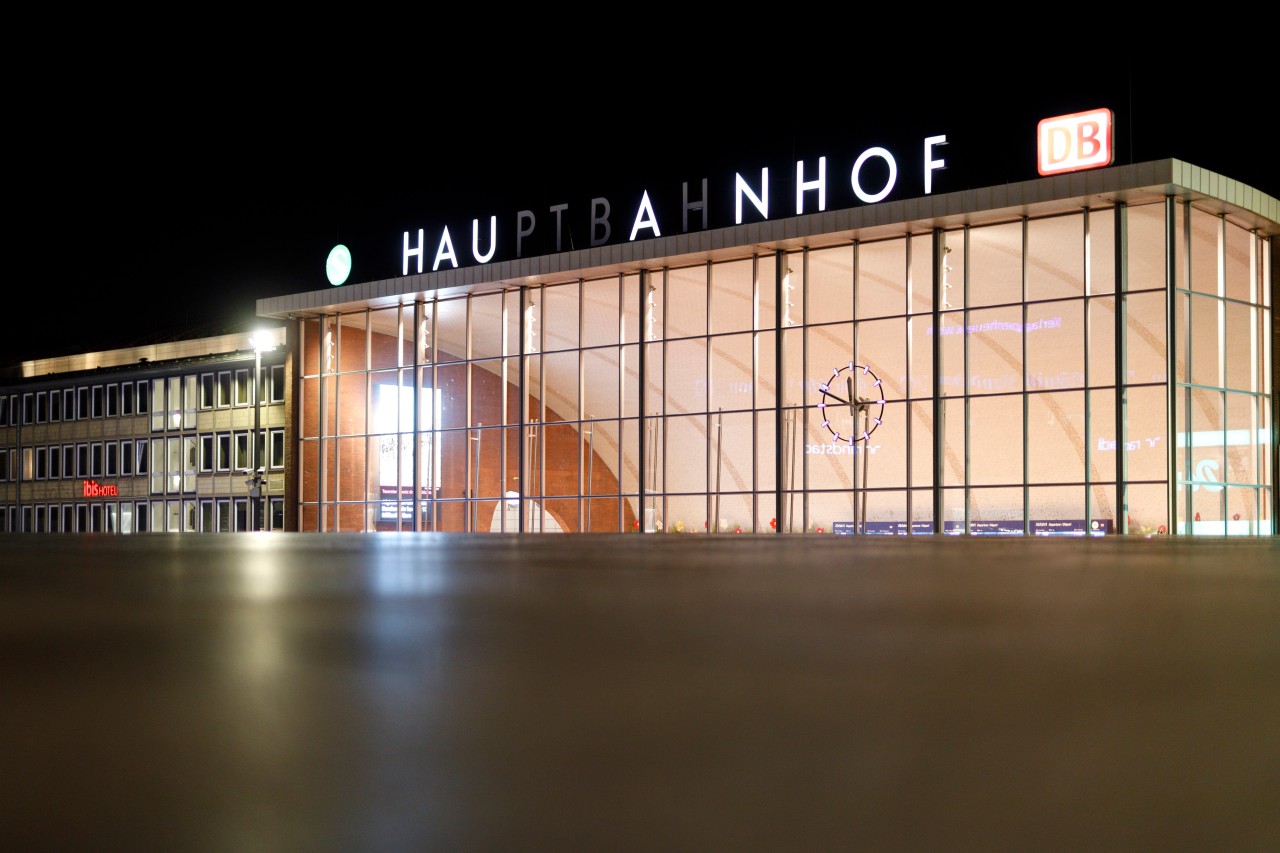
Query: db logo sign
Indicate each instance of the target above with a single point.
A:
(1074, 142)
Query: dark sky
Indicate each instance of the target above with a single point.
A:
(146, 212)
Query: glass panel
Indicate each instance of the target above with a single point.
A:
(451, 330)
(351, 404)
(882, 284)
(560, 317)
(1238, 262)
(995, 350)
(1055, 438)
(953, 271)
(732, 305)
(632, 311)
(831, 285)
(1056, 511)
(1102, 249)
(730, 453)
(1145, 247)
(1102, 341)
(794, 381)
(1102, 436)
(882, 346)
(1146, 445)
(1144, 338)
(921, 301)
(1205, 231)
(951, 339)
(486, 325)
(352, 346)
(921, 445)
(563, 452)
(560, 386)
(793, 293)
(1241, 346)
(953, 449)
(995, 512)
(766, 292)
(686, 385)
(686, 454)
(1242, 440)
(686, 308)
(1242, 512)
(995, 264)
(384, 332)
(600, 312)
(767, 450)
(600, 383)
(1055, 345)
(731, 379)
(1206, 367)
(995, 440)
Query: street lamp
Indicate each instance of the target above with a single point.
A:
(255, 483)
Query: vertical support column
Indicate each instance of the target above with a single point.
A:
(1272, 268)
(1026, 401)
(939, 411)
(416, 454)
(642, 431)
(964, 381)
(779, 270)
(524, 419)
(1170, 383)
(293, 422)
(1121, 243)
(1088, 394)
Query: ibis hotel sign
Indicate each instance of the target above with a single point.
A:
(865, 177)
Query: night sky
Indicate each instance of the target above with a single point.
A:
(142, 215)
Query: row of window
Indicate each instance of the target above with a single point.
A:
(206, 453)
(210, 515)
(219, 390)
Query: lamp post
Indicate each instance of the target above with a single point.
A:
(255, 483)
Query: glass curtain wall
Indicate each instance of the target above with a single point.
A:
(1010, 378)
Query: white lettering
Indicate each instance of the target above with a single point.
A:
(857, 167)
(408, 253)
(803, 186)
(761, 201)
(442, 255)
(475, 240)
(645, 217)
(930, 164)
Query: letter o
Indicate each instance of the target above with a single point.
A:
(857, 167)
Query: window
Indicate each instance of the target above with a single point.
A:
(126, 458)
(277, 513)
(206, 391)
(144, 398)
(28, 465)
(140, 458)
(140, 517)
(68, 460)
(28, 408)
(277, 383)
(242, 513)
(4, 466)
(126, 398)
(55, 406)
(42, 464)
(42, 407)
(224, 389)
(242, 388)
(206, 453)
(277, 448)
(113, 459)
(224, 452)
(113, 400)
(82, 403)
(4, 411)
(82, 460)
(99, 397)
(241, 459)
(55, 462)
(68, 404)
(95, 459)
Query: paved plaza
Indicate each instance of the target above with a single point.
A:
(311, 692)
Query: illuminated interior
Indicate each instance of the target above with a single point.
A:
(689, 398)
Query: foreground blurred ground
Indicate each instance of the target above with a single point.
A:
(450, 692)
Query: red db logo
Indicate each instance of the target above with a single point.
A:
(1074, 142)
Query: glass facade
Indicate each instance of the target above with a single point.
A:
(1101, 371)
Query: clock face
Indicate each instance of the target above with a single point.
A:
(851, 404)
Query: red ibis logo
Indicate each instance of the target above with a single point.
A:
(93, 490)
(1073, 142)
